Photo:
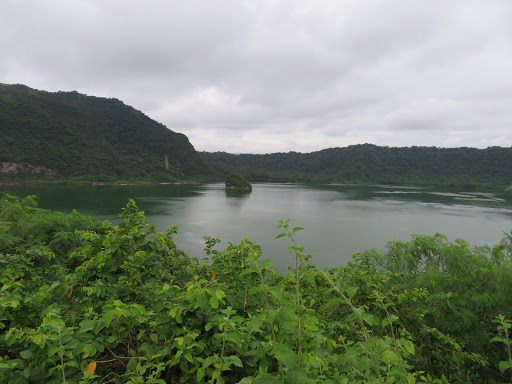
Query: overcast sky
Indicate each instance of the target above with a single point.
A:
(277, 76)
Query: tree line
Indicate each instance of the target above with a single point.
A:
(367, 163)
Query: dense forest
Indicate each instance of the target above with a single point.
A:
(67, 136)
(367, 163)
(84, 301)
(70, 136)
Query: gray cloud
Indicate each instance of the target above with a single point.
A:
(264, 76)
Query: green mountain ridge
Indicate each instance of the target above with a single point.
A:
(71, 136)
(368, 163)
(68, 136)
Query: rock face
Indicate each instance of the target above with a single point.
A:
(236, 182)
(15, 168)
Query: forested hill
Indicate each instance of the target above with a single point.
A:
(70, 136)
(464, 167)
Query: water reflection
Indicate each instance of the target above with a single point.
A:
(339, 220)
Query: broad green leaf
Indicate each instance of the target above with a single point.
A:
(265, 378)
(87, 325)
(132, 364)
(351, 291)
(219, 294)
(281, 235)
(202, 302)
(246, 380)
(10, 337)
(504, 365)
(295, 229)
(286, 311)
(368, 318)
(254, 325)
(214, 302)
(108, 317)
(277, 293)
(234, 337)
(189, 357)
(286, 356)
(498, 339)
(297, 376)
(26, 354)
(236, 361)
(409, 347)
(247, 271)
(200, 374)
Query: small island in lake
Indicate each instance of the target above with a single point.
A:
(236, 182)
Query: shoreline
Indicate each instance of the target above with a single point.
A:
(94, 183)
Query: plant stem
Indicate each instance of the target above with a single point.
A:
(62, 359)
(222, 350)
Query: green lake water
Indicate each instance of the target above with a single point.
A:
(338, 220)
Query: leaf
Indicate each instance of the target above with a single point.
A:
(234, 337)
(351, 291)
(236, 361)
(297, 376)
(70, 292)
(286, 311)
(108, 317)
(10, 337)
(26, 354)
(132, 364)
(295, 229)
(154, 338)
(254, 325)
(91, 367)
(265, 378)
(246, 380)
(200, 374)
(286, 356)
(504, 365)
(247, 271)
(277, 293)
(409, 347)
(368, 318)
(219, 294)
(214, 302)
(281, 235)
(201, 301)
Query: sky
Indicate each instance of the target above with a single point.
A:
(251, 76)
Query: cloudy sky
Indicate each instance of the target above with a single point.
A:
(256, 76)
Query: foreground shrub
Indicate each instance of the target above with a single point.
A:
(89, 302)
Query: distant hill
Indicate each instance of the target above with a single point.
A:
(70, 136)
(367, 163)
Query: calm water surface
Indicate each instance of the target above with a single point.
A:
(339, 220)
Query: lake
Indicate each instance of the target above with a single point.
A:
(338, 220)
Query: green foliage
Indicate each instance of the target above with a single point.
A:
(90, 138)
(89, 302)
(235, 181)
(366, 163)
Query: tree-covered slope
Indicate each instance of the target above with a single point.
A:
(371, 163)
(89, 138)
